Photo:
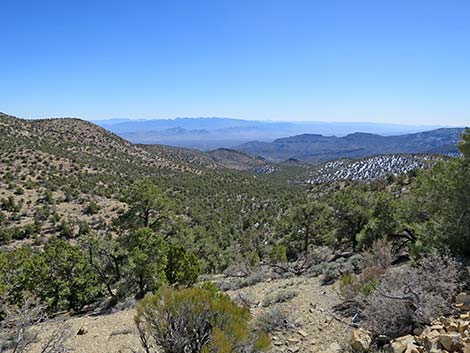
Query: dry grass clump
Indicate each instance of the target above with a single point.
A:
(279, 297)
(374, 264)
(238, 283)
(411, 296)
(22, 324)
(273, 319)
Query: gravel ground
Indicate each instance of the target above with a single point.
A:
(313, 328)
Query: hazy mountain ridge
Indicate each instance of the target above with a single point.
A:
(316, 148)
(78, 141)
(212, 133)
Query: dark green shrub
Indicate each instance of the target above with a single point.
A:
(182, 268)
(91, 208)
(19, 191)
(351, 213)
(148, 206)
(29, 184)
(382, 222)
(65, 229)
(6, 235)
(443, 197)
(252, 258)
(9, 204)
(63, 278)
(278, 254)
(305, 224)
(24, 232)
(146, 261)
(42, 213)
(15, 273)
(47, 197)
(83, 228)
(197, 321)
(3, 218)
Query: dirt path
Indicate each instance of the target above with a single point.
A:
(315, 328)
(314, 331)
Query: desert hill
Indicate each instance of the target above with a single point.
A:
(60, 176)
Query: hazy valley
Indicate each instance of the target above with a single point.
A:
(212, 133)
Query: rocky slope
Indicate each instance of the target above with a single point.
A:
(371, 168)
(444, 334)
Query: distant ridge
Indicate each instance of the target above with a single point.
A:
(212, 133)
(316, 148)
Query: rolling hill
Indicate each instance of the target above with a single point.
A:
(221, 158)
(57, 175)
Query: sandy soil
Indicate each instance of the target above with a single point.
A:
(314, 329)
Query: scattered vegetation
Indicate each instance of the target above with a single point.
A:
(273, 319)
(86, 216)
(22, 324)
(279, 297)
(412, 296)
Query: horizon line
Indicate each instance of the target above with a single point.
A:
(145, 119)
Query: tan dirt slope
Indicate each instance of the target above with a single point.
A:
(310, 311)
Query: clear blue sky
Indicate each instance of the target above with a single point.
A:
(402, 61)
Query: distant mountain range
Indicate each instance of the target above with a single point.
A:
(213, 133)
(315, 148)
(82, 147)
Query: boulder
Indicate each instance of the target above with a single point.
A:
(430, 342)
(335, 348)
(463, 326)
(403, 344)
(451, 342)
(411, 348)
(462, 301)
(82, 331)
(361, 340)
(452, 327)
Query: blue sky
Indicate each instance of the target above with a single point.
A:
(382, 61)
